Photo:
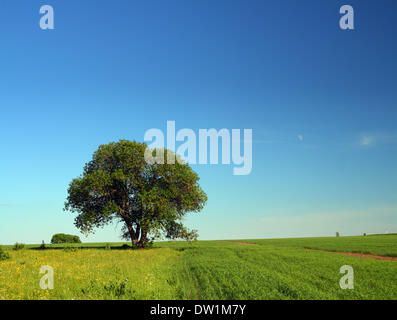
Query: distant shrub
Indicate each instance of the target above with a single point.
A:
(337, 234)
(65, 238)
(42, 246)
(69, 247)
(107, 246)
(149, 244)
(18, 246)
(364, 234)
(125, 246)
(4, 255)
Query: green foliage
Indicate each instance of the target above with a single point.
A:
(70, 247)
(4, 255)
(117, 289)
(107, 246)
(148, 198)
(18, 246)
(65, 238)
(178, 231)
(149, 244)
(337, 234)
(191, 236)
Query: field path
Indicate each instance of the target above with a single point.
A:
(361, 255)
(243, 243)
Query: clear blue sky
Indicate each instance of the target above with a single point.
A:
(113, 69)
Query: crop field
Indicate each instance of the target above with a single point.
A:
(384, 245)
(260, 269)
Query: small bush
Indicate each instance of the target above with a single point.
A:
(18, 246)
(107, 246)
(364, 234)
(65, 238)
(118, 288)
(42, 246)
(149, 244)
(70, 248)
(337, 234)
(4, 255)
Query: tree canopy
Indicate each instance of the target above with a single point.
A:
(150, 199)
(65, 238)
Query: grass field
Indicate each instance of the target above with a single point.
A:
(273, 269)
(385, 245)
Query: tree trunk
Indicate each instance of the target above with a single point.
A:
(138, 236)
(133, 235)
(143, 239)
(134, 239)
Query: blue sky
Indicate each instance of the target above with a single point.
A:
(321, 102)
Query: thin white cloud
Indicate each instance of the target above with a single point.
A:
(5, 204)
(300, 137)
(372, 139)
(367, 141)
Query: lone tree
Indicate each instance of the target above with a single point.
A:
(64, 238)
(149, 198)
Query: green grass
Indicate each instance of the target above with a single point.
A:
(273, 269)
(384, 245)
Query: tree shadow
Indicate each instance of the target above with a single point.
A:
(101, 247)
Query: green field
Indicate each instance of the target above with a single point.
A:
(273, 269)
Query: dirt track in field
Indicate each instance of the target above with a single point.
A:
(243, 243)
(361, 255)
(353, 254)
